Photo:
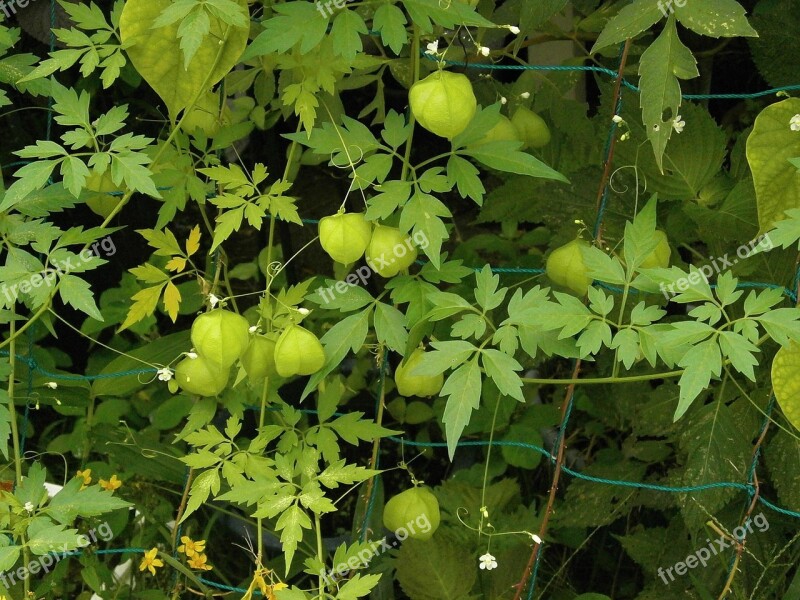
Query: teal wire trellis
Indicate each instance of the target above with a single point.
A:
(749, 488)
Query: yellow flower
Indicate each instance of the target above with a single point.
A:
(191, 548)
(198, 561)
(150, 562)
(112, 484)
(275, 588)
(86, 474)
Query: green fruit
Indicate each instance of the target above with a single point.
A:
(531, 128)
(504, 131)
(416, 385)
(443, 103)
(390, 251)
(415, 511)
(345, 236)
(258, 360)
(220, 336)
(201, 376)
(660, 256)
(565, 267)
(298, 352)
(100, 202)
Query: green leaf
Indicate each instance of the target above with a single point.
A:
(626, 343)
(352, 427)
(596, 335)
(602, 267)
(44, 538)
(664, 62)
(463, 389)
(486, 293)
(5, 425)
(203, 486)
(348, 27)
(448, 354)
(699, 363)
(639, 240)
(740, 352)
(782, 325)
(158, 57)
(30, 178)
(450, 15)
(629, 22)
(421, 577)
(466, 176)
(501, 367)
(347, 334)
(358, 586)
(291, 524)
(769, 147)
(92, 501)
(294, 23)
(390, 21)
(505, 157)
(9, 556)
(77, 293)
(691, 159)
(421, 215)
(390, 326)
(716, 449)
(715, 18)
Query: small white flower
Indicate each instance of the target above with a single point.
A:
(525, 95)
(303, 311)
(513, 29)
(678, 124)
(213, 300)
(51, 384)
(191, 355)
(488, 562)
(29, 507)
(433, 47)
(253, 328)
(484, 50)
(794, 123)
(536, 539)
(164, 374)
(503, 100)
(617, 119)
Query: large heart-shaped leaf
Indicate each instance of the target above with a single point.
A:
(158, 57)
(769, 148)
(786, 384)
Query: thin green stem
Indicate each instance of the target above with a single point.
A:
(11, 407)
(15, 438)
(259, 526)
(320, 555)
(486, 465)
(602, 380)
(411, 119)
